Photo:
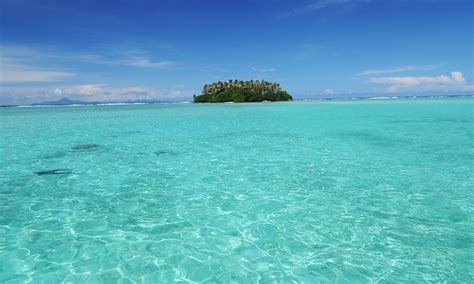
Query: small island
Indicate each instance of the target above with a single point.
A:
(242, 91)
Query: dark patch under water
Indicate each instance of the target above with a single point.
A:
(163, 152)
(371, 138)
(55, 155)
(54, 172)
(62, 154)
(85, 146)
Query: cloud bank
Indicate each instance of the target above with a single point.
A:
(396, 70)
(328, 92)
(91, 92)
(455, 82)
(12, 72)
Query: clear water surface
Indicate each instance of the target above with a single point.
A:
(340, 191)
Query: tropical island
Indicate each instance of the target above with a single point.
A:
(242, 91)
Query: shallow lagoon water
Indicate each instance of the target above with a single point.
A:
(339, 191)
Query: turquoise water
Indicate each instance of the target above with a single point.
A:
(339, 191)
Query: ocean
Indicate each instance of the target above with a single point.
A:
(343, 191)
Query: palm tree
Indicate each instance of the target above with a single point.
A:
(260, 86)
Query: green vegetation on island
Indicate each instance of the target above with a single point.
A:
(242, 91)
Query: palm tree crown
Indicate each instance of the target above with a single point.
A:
(260, 86)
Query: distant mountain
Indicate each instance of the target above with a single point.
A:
(64, 101)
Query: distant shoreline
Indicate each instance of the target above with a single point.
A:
(40, 105)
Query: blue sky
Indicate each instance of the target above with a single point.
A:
(126, 50)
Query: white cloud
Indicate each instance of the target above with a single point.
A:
(101, 92)
(456, 78)
(455, 82)
(396, 70)
(176, 93)
(328, 92)
(132, 58)
(12, 72)
(126, 60)
(263, 70)
(84, 90)
(147, 63)
(17, 60)
(321, 4)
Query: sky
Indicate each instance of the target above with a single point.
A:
(117, 50)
